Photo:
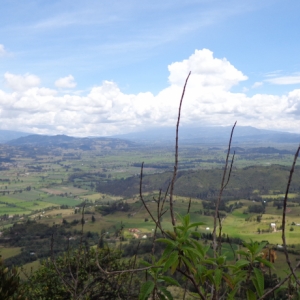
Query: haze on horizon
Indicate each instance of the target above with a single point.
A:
(112, 67)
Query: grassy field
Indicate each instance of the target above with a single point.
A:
(29, 268)
(7, 252)
(63, 200)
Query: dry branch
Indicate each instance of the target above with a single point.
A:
(176, 154)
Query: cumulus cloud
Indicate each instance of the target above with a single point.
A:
(206, 70)
(21, 82)
(66, 82)
(106, 110)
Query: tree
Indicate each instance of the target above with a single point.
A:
(76, 275)
(10, 285)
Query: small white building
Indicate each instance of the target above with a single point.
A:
(273, 226)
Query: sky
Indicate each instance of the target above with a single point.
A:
(99, 68)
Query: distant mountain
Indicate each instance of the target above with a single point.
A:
(212, 135)
(68, 142)
(8, 135)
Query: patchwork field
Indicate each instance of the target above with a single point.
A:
(50, 188)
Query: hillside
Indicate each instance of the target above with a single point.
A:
(206, 183)
(68, 142)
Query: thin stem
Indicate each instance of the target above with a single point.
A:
(284, 214)
(223, 185)
(176, 154)
(145, 205)
(279, 284)
(189, 207)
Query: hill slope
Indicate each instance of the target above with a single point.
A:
(67, 142)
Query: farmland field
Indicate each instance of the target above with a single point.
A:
(47, 189)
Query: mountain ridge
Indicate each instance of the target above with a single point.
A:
(160, 136)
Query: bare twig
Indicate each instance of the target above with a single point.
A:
(284, 214)
(192, 279)
(176, 155)
(67, 285)
(189, 207)
(223, 185)
(219, 218)
(269, 292)
(121, 271)
(157, 223)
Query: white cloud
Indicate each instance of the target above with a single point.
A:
(257, 84)
(284, 80)
(206, 70)
(2, 50)
(21, 82)
(66, 82)
(106, 110)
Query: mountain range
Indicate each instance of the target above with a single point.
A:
(212, 135)
(157, 136)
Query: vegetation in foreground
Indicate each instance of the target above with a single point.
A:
(178, 257)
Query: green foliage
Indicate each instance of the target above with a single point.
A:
(211, 277)
(113, 207)
(9, 283)
(76, 275)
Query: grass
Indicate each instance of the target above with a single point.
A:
(29, 268)
(63, 200)
(26, 195)
(57, 190)
(7, 252)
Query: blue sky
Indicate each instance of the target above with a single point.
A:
(106, 67)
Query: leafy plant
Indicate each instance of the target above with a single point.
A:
(10, 286)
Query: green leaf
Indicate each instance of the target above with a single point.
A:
(218, 278)
(145, 263)
(250, 295)
(170, 280)
(232, 294)
(188, 264)
(146, 289)
(260, 246)
(182, 228)
(195, 224)
(180, 218)
(166, 292)
(241, 263)
(186, 220)
(265, 262)
(192, 251)
(221, 260)
(259, 280)
(165, 254)
(202, 250)
(174, 266)
(171, 261)
(196, 234)
(167, 241)
(201, 269)
(242, 252)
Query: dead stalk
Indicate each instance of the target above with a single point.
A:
(223, 186)
(176, 154)
(284, 214)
